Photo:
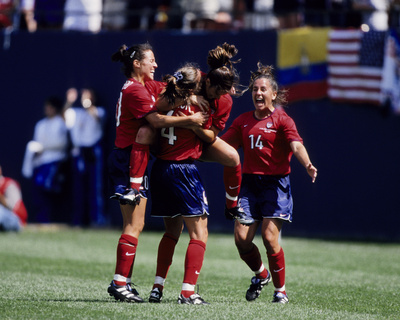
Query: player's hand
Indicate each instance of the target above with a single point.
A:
(312, 172)
(197, 119)
(200, 102)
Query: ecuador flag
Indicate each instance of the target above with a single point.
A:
(302, 62)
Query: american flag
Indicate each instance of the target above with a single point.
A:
(355, 60)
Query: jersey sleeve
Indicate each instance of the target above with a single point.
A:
(139, 101)
(290, 130)
(155, 87)
(233, 135)
(223, 110)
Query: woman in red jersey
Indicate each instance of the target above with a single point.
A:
(135, 108)
(217, 85)
(220, 82)
(183, 146)
(269, 138)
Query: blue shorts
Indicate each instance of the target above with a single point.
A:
(177, 190)
(118, 172)
(263, 196)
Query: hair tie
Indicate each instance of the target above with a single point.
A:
(178, 75)
(132, 54)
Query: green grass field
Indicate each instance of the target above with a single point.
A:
(64, 274)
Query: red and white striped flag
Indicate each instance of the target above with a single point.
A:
(355, 60)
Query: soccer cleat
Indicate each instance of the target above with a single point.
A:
(238, 214)
(124, 293)
(155, 296)
(280, 297)
(193, 299)
(256, 286)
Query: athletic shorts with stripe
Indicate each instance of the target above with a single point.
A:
(263, 196)
(177, 189)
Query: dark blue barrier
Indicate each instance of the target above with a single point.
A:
(354, 147)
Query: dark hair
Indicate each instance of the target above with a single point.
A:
(222, 74)
(55, 102)
(128, 55)
(184, 82)
(267, 73)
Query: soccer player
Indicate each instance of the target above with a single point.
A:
(216, 86)
(269, 138)
(220, 82)
(135, 108)
(178, 196)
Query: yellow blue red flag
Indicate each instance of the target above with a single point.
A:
(302, 62)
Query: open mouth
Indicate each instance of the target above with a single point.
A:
(259, 100)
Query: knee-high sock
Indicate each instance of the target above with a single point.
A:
(253, 260)
(126, 252)
(138, 162)
(166, 250)
(232, 181)
(193, 263)
(277, 268)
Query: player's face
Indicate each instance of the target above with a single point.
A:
(263, 94)
(148, 65)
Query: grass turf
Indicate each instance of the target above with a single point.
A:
(64, 274)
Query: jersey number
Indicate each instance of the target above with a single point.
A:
(118, 113)
(169, 133)
(258, 143)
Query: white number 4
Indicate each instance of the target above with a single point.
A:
(169, 133)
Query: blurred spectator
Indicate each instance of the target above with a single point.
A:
(45, 162)
(261, 16)
(13, 214)
(394, 14)
(28, 22)
(287, 13)
(115, 14)
(142, 13)
(373, 12)
(85, 124)
(343, 14)
(6, 13)
(175, 10)
(83, 15)
(316, 12)
(202, 14)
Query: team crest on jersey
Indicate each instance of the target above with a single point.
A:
(268, 128)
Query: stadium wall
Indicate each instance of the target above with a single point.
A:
(354, 147)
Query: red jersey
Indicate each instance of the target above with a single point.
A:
(178, 144)
(220, 111)
(265, 143)
(134, 103)
(154, 87)
(11, 191)
(220, 108)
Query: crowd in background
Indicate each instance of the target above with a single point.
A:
(64, 161)
(187, 15)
